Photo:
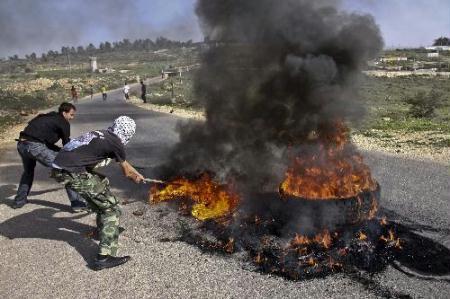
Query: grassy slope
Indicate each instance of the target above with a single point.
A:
(26, 86)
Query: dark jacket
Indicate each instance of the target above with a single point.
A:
(48, 129)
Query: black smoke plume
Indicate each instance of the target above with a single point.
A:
(274, 72)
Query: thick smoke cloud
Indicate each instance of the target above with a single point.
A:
(275, 72)
(38, 26)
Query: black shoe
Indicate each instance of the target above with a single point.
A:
(78, 206)
(107, 261)
(19, 203)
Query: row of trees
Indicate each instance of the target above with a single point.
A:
(104, 47)
(442, 41)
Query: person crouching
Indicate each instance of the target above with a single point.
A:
(74, 166)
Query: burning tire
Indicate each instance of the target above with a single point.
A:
(329, 213)
(309, 216)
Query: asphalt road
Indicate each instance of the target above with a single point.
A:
(44, 249)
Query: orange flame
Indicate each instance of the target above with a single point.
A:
(396, 242)
(211, 199)
(334, 170)
(229, 247)
(323, 238)
(362, 236)
(312, 262)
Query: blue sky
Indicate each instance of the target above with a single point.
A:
(407, 22)
(40, 25)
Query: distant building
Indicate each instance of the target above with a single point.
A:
(388, 59)
(433, 54)
(93, 61)
(438, 48)
(172, 72)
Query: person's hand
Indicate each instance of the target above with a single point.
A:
(138, 178)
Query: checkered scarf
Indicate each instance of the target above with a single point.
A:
(124, 128)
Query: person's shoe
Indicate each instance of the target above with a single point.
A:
(19, 203)
(78, 206)
(107, 261)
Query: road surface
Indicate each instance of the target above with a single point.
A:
(44, 249)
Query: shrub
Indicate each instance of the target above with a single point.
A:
(423, 105)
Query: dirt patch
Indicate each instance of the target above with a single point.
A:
(417, 146)
(181, 112)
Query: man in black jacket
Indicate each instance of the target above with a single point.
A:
(37, 143)
(143, 91)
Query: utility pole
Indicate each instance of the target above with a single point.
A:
(70, 64)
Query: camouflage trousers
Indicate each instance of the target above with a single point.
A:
(94, 188)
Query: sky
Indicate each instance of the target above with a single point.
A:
(28, 26)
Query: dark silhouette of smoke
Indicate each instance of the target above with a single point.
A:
(275, 71)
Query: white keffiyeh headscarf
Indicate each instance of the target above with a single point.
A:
(124, 128)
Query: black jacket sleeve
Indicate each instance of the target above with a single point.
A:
(54, 147)
(65, 134)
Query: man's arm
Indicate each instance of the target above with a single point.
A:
(130, 172)
(65, 133)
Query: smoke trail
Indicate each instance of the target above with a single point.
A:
(275, 72)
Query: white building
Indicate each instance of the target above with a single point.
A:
(93, 61)
(438, 48)
(399, 58)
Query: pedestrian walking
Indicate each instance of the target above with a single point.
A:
(75, 166)
(36, 143)
(73, 92)
(91, 91)
(104, 95)
(126, 91)
(143, 91)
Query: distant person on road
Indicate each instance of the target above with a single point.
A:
(104, 95)
(91, 91)
(73, 92)
(126, 91)
(143, 91)
(74, 167)
(37, 143)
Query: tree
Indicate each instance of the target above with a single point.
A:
(64, 50)
(80, 50)
(52, 53)
(442, 41)
(108, 46)
(162, 42)
(33, 56)
(148, 44)
(423, 105)
(90, 48)
(126, 45)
